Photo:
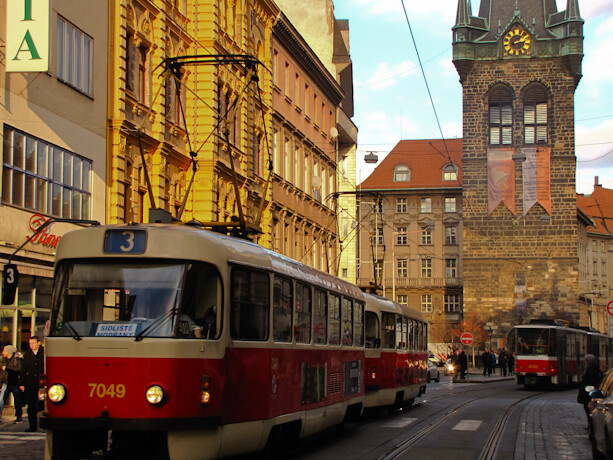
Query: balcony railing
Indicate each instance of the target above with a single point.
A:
(417, 282)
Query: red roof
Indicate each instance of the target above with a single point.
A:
(425, 158)
(598, 206)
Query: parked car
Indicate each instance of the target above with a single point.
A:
(433, 372)
(601, 417)
(449, 370)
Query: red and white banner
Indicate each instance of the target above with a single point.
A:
(537, 178)
(501, 179)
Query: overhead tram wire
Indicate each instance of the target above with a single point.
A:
(427, 86)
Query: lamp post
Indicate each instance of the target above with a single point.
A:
(489, 331)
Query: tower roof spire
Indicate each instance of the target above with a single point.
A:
(572, 11)
(463, 15)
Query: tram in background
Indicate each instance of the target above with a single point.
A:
(170, 341)
(396, 353)
(550, 352)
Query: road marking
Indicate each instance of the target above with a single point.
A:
(467, 425)
(400, 423)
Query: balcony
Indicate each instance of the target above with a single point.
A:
(417, 283)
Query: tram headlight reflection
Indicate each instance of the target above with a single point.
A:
(155, 394)
(56, 393)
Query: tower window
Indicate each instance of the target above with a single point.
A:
(535, 115)
(501, 117)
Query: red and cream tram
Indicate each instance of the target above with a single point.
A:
(396, 353)
(549, 352)
(170, 341)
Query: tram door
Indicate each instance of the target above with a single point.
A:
(561, 353)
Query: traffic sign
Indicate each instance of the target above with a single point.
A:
(466, 338)
(610, 307)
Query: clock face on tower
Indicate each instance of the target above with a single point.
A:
(517, 42)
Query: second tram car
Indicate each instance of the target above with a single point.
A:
(549, 352)
(174, 342)
(396, 353)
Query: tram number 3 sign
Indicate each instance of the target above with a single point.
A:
(466, 338)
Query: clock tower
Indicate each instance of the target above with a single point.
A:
(519, 63)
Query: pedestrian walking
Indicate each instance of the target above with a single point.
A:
(502, 362)
(494, 362)
(592, 376)
(13, 371)
(511, 363)
(485, 360)
(463, 361)
(31, 368)
(3, 382)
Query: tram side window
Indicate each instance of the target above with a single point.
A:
(303, 313)
(282, 310)
(334, 320)
(250, 305)
(425, 337)
(201, 304)
(411, 334)
(420, 337)
(398, 331)
(373, 331)
(320, 309)
(346, 315)
(388, 329)
(358, 324)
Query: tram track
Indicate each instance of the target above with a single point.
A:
(490, 447)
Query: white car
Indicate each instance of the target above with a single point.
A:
(433, 372)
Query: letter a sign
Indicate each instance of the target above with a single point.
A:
(27, 35)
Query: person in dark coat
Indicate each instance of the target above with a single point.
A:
(511, 363)
(463, 362)
(592, 376)
(13, 370)
(485, 360)
(32, 366)
(502, 362)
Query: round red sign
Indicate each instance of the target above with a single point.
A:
(466, 338)
(610, 307)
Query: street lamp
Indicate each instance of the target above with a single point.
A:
(489, 331)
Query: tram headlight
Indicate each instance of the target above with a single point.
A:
(155, 394)
(56, 393)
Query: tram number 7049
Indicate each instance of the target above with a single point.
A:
(101, 390)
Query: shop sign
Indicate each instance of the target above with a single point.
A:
(44, 238)
(27, 36)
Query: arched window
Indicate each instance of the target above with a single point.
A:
(501, 116)
(450, 172)
(535, 115)
(402, 173)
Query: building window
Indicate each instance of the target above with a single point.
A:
(426, 235)
(74, 56)
(275, 66)
(379, 235)
(344, 273)
(450, 205)
(535, 115)
(402, 268)
(44, 177)
(297, 90)
(287, 82)
(401, 204)
(402, 173)
(426, 205)
(450, 172)
(401, 236)
(306, 100)
(426, 303)
(451, 269)
(450, 235)
(378, 270)
(501, 116)
(452, 303)
(426, 268)
(403, 299)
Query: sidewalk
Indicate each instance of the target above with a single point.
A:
(8, 421)
(476, 376)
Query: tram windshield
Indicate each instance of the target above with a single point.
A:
(535, 341)
(137, 299)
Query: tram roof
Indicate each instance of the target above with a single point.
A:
(379, 303)
(186, 242)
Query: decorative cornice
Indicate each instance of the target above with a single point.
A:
(303, 54)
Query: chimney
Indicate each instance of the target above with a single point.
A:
(596, 184)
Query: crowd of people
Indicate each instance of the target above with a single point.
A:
(502, 360)
(19, 377)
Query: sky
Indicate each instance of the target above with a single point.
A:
(391, 97)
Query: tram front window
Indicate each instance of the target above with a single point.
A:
(156, 299)
(534, 341)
